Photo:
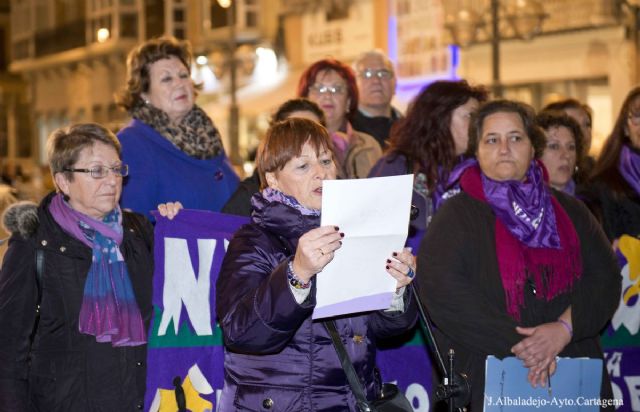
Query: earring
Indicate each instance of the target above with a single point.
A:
(146, 101)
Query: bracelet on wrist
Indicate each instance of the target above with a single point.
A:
(566, 326)
(295, 281)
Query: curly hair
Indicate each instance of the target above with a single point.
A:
(526, 113)
(548, 119)
(606, 168)
(309, 76)
(424, 135)
(141, 58)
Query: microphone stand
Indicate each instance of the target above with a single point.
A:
(455, 388)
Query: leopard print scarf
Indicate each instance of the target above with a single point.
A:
(196, 135)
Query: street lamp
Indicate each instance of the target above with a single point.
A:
(234, 113)
(523, 17)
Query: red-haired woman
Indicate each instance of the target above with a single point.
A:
(332, 85)
(430, 142)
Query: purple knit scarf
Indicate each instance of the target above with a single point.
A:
(109, 309)
(525, 208)
(629, 166)
(274, 195)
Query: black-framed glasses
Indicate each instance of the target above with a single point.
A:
(382, 74)
(323, 89)
(100, 172)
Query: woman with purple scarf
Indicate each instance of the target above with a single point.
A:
(429, 143)
(613, 194)
(75, 287)
(276, 357)
(510, 267)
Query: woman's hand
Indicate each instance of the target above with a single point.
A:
(315, 249)
(539, 349)
(402, 266)
(169, 209)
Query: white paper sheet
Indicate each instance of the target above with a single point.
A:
(374, 216)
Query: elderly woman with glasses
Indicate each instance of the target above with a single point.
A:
(614, 188)
(75, 286)
(332, 85)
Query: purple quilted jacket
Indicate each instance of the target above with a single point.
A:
(276, 357)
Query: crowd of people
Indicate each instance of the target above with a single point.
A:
(512, 244)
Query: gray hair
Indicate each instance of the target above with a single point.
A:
(375, 53)
(65, 144)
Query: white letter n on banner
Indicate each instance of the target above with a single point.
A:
(181, 285)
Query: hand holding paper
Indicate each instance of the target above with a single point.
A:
(374, 216)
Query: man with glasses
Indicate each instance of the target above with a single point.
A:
(376, 86)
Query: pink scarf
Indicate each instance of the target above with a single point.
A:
(553, 271)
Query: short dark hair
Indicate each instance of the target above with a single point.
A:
(65, 144)
(549, 119)
(570, 103)
(308, 78)
(143, 56)
(526, 113)
(297, 105)
(284, 141)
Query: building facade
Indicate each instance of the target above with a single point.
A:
(71, 55)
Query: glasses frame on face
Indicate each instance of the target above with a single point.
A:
(320, 89)
(100, 172)
(382, 74)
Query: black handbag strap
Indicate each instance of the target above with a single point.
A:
(349, 370)
(39, 275)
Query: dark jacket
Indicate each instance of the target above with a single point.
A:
(461, 286)
(274, 353)
(66, 370)
(240, 201)
(617, 211)
(377, 126)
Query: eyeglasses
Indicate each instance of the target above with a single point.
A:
(100, 172)
(322, 89)
(382, 74)
(635, 118)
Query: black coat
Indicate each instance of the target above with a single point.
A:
(66, 370)
(461, 286)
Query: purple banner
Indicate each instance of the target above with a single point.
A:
(185, 341)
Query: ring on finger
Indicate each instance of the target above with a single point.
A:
(411, 274)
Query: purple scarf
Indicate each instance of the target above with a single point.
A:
(570, 187)
(525, 208)
(109, 310)
(273, 195)
(553, 271)
(446, 190)
(629, 166)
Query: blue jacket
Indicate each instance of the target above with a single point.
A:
(273, 350)
(159, 172)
